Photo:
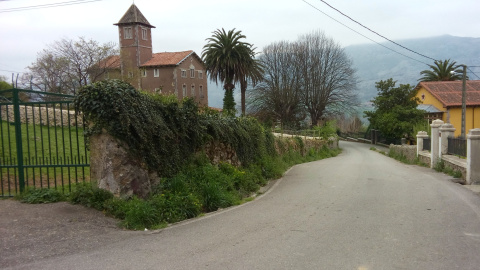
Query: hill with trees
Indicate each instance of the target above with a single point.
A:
(374, 62)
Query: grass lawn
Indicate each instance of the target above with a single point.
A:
(50, 155)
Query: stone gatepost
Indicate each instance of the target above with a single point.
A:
(435, 146)
(420, 136)
(473, 157)
(446, 130)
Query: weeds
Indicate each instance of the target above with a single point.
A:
(441, 167)
(43, 195)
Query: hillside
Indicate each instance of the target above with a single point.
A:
(374, 62)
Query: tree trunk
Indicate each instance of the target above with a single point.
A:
(243, 90)
(229, 101)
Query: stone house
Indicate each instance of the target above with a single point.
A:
(443, 100)
(181, 73)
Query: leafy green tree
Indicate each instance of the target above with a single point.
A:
(395, 114)
(442, 71)
(4, 85)
(230, 60)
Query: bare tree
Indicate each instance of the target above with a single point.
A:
(328, 79)
(312, 76)
(67, 65)
(277, 97)
(48, 73)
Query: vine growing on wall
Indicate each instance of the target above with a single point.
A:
(164, 133)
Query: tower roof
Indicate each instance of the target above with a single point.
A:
(134, 16)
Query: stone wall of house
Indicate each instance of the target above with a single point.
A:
(42, 116)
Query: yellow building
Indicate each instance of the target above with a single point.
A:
(444, 100)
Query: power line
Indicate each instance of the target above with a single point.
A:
(376, 32)
(11, 71)
(59, 4)
(473, 72)
(362, 34)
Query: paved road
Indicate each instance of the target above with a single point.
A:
(360, 210)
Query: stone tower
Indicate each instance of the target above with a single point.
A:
(135, 38)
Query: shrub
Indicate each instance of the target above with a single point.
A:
(40, 195)
(90, 196)
(173, 207)
(140, 214)
(327, 130)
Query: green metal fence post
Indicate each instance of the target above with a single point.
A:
(18, 138)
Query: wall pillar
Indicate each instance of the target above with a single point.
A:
(446, 130)
(435, 146)
(420, 136)
(473, 157)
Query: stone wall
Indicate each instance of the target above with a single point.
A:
(219, 152)
(456, 164)
(424, 157)
(116, 171)
(409, 151)
(42, 116)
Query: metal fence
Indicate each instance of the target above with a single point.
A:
(427, 144)
(457, 146)
(42, 142)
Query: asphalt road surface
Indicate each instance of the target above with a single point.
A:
(360, 210)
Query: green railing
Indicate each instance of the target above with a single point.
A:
(42, 142)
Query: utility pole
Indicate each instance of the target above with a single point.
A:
(464, 99)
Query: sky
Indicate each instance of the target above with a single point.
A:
(185, 24)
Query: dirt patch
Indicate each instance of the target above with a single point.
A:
(29, 232)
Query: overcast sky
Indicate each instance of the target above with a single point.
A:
(185, 24)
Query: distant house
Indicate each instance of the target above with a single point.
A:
(443, 100)
(180, 73)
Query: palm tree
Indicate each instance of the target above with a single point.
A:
(442, 71)
(252, 70)
(230, 61)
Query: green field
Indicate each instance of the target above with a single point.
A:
(52, 156)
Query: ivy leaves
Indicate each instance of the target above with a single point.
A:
(163, 132)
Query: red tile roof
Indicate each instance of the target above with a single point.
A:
(449, 93)
(167, 58)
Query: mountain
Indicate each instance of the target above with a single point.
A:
(374, 62)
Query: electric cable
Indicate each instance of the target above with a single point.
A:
(376, 32)
(363, 35)
(59, 4)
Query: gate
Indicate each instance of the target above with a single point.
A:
(42, 142)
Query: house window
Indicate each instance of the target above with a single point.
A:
(184, 73)
(192, 72)
(144, 73)
(127, 32)
(106, 76)
(156, 72)
(201, 91)
(144, 33)
(193, 90)
(200, 74)
(130, 74)
(184, 88)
